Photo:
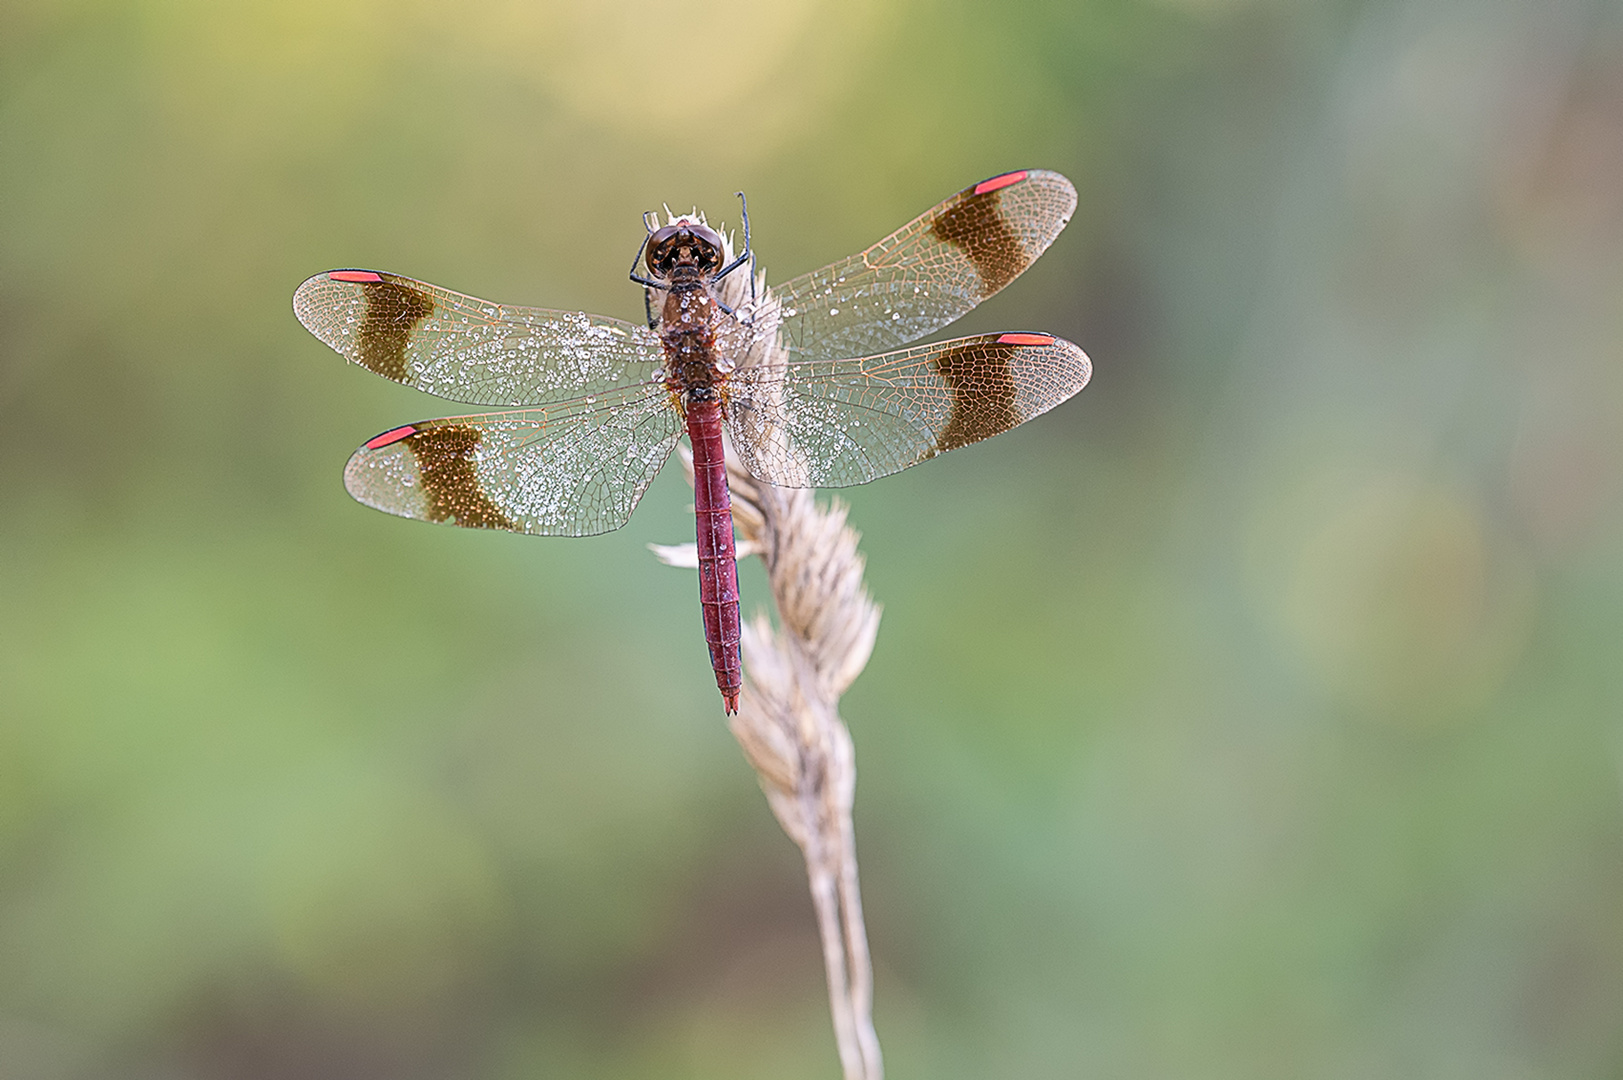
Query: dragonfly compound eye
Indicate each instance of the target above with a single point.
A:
(684, 243)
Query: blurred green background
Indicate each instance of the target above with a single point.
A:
(1254, 715)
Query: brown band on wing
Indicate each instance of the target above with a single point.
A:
(977, 226)
(445, 460)
(983, 393)
(392, 311)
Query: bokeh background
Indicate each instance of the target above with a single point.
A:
(1254, 715)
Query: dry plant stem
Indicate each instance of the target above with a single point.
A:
(789, 727)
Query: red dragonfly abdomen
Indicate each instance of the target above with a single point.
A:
(718, 563)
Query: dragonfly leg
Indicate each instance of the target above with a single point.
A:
(637, 258)
(742, 259)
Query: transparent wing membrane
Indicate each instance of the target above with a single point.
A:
(834, 423)
(576, 469)
(930, 271)
(470, 350)
(592, 412)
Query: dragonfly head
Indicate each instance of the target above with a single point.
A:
(684, 250)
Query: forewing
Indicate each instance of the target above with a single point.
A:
(833, 423)
(930, 271)
(471, 350)
(575, 469)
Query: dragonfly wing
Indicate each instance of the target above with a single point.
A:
(575, 469)
(834, 423)
(930, 271)
(471, 350)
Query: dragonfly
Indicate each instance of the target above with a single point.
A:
(808, 381)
